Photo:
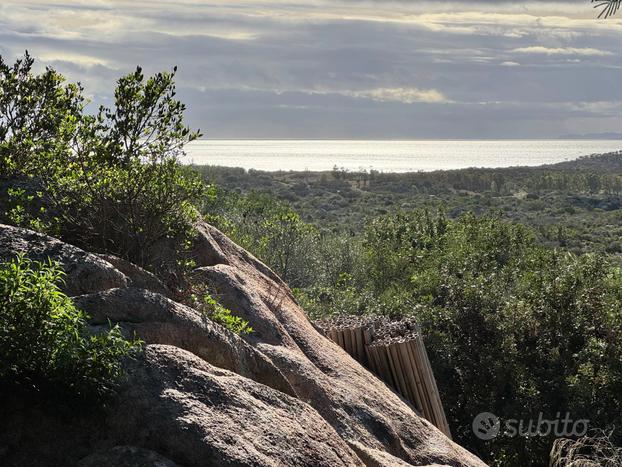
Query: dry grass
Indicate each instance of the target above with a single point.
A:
(591, 450)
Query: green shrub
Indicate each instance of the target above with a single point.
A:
(38, 116)
(300, 253)
(110, 182)
(125, 189)
(512, 327)
(44, 342)
(208, 305)
(271, 230)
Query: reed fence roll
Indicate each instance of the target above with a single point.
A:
(394, 351)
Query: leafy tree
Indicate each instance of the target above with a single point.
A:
(271, 230)
(37, 116)
(125, 189)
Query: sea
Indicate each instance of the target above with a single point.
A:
(389, 156)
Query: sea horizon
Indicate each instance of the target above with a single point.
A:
(390, 155)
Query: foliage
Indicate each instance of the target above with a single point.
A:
(219, 314)
(346, 297)
(128, 172)
(512, 327)
(108, 182)
(575, 204)
(17, 198)
(271, 230)
(301, 253)
(608, 7)
(44, 343)
(514, 324)
(37, 116)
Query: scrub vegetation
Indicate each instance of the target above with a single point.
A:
(513, 275)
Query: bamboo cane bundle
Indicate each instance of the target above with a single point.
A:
(433, 391)
(340, 338)
(383, 351)
(347, 331)
(347, 345)
(375, 363)
(427, 399)
(400, 368)
(418, 377)
(394, 370)
(367, 338)
(414, 387)
(383, 366)
(360, 343)
(386, 350)
(395, 352)
(407, 370)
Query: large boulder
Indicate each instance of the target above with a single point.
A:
(156, 319)
(85, 272)
(137, 276)
(199, 395)
(177, 407)
(362, 409)
(198, 414)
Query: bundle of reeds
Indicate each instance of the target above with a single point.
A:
(352, 333)
(395, 352)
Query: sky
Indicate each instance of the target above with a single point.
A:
(344, 68)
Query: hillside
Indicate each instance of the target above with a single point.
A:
(611, 162)
(575, 204)
(146, 314)
(199, 395)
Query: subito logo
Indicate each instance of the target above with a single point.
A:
(486, 426)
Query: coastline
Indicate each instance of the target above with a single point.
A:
(389, 156)
(575, 163)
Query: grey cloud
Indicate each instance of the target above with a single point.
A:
(344, 68)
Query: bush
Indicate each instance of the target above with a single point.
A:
(44, 344)
(210, 307)
(38, 115)
(595, 449)
(512, 327)
(110, 182)
(272, 231)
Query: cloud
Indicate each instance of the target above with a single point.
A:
(342, 68)
(403, 95)
(539, 50)
(71, 58)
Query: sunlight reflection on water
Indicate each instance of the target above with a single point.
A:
(389, 156)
